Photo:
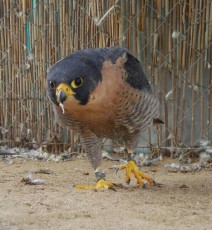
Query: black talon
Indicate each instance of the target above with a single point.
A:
(116, 168)
(128, 181)
(144, 186)
(157, 184)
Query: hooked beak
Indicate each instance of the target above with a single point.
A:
(62, 92)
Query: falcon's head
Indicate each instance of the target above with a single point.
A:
(75, 76)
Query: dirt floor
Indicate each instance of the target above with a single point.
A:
(184, 201)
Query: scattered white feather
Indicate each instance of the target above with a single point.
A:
(169, 95)
(118, 149)
(175, 34)
(26, 66)
(3, 130)
(204, 156)
(18, 13)
(195, 87)
(30, 57)
(204, 142)
(95, 19)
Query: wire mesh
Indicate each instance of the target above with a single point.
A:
(172, 39)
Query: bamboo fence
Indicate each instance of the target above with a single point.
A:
(172, 39)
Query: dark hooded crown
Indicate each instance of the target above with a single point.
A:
(85, 65)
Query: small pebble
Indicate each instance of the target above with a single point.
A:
(183, 186)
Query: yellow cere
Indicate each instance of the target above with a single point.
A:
(67, 89)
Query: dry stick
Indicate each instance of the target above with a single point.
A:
(172, 61)
(67, 49)
(10, 83)
(117, 26)
(209, 96)
(93, 26)
(178, 71)
(85, 25)
(90, 24)
(126, 24)
(92, 11)
(50, 48)
(29, 104)
(195, 33)
(78, 28)
(192, 37)
(37, 131)
(148, 26)
(101, 36)
(43, 123)
(2, 74)
(81, 34)
(121, 27)
(138, 26)
(11, 54)
(46, 121)
(53, 50)
(89, 21)
(204, 45)
(202, 120)
(109, 26)
(6, 78)
(209, 65)
(12, 87)
(105, 25)
(183, 64)
(20, 77)
(63, 25)
(33, 104)
(209, 24)
(160, 47)
(17, 62)
(73, 23)
(201, 72)
(139, 31)
(166, 73)
(19, 85)
(113, 28)
(134, 28)
(158, 59)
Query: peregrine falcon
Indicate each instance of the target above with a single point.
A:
(103, 93)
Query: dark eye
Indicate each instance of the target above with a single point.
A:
(51, 84)
(77, 82)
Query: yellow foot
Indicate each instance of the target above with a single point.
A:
(101, 184)
(140, 176)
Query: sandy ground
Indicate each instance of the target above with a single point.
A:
(184, 201)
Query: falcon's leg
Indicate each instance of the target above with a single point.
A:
(131, 168)
(92, 145)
